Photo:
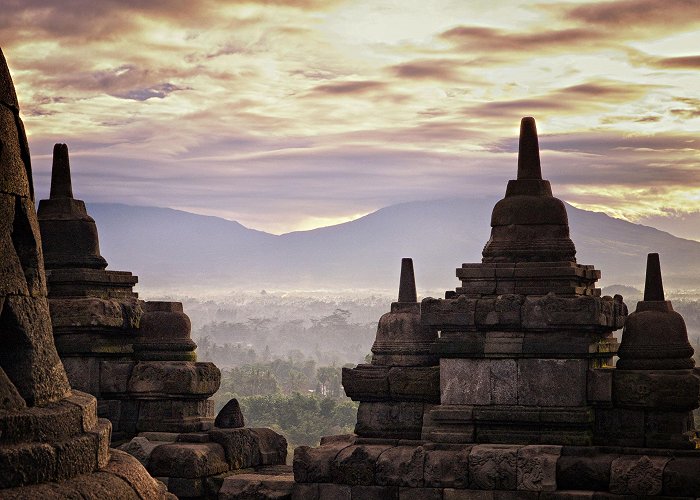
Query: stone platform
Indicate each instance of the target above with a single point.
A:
(352, 467)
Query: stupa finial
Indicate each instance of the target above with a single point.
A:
(61, 186)
(653, 286)
(407, 283)
(529, 150)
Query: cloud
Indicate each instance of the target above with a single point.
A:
(685, 62)
(568, 100)
(477, 39)
(445, 70)
(348, 87)
(274, 111)
(159, 91)
(670, 15)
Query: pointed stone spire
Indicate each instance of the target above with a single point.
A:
(61, 186)
(653, 287)
(529, 151)
(407, 283)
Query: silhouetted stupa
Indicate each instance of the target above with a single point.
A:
(52, 445)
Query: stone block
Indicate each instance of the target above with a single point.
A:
(83, 373)
(637, 475)
(164, 437)
(54, 422)
(35, 368)
(503, 342)
(77, 313)
(448, 313)
(515, 495)
(559, 343)
(485, 315)
(584, 472)
(140, 448)
(415, 383)
(256, 486)
(619, 426)
(110, 409)
(453, 494)
(240, 446)
(478, 381)
(195, 437)
(130, 470)
(338, 439)
(361, 492)
(114, 376)
(103, 434)
(27, 463)
(552, 382)
(272, 446)
(307, 492)
(189, 460)
(355, 465)
(537, 467)
(493, 467)
(401, 466)
(661, 389)
(668, 429)
(447, 468)
(420, 493)
(366, 383)
(477, 288)
(567, 495)
(508, 306)
(551, 310)
(313, 465)
(13, 282)
(397, 420)
(334, 491)
(185, 487)
(174, 377)
(600, 385)
(175, 415)
(682, 477)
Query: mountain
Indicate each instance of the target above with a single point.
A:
(168, 247)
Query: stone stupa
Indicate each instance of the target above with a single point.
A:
(52, 445)
(531, 404)
(137, 357)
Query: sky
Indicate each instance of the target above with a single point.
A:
(294, 114)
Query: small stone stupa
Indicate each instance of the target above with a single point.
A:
(654, 384)
(139, 360)
(403, 376)
(136, 357)
(52, 445)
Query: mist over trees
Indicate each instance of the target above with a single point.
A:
(281, 353)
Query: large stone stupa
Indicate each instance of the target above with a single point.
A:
(52, 445)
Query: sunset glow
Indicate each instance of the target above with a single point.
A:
(292, 114)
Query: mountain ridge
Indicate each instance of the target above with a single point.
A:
(170, 247)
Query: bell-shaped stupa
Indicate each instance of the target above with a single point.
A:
(403, 377)
(529, 224)
(65, 222)
(655, 336)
